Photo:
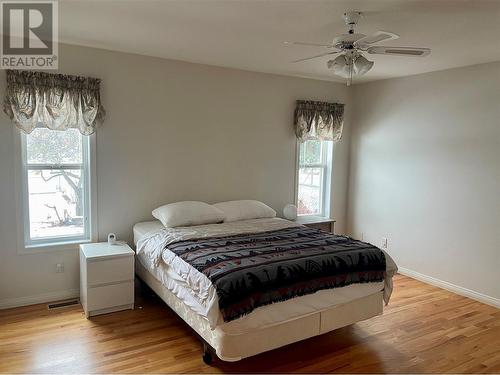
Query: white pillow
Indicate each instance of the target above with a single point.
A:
(244, 210)
(183, 214)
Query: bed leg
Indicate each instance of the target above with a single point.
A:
(207, 354)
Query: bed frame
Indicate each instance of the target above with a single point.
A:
(234, 347)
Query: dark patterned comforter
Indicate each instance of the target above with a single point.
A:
(252, 270)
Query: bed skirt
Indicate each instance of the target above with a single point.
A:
(234, 347)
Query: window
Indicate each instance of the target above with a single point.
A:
(56, 187)
(313, 178)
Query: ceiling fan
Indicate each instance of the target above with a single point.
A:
(351, 62)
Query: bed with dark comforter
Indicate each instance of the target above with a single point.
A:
(256, 269)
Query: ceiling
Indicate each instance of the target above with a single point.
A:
(249, 34)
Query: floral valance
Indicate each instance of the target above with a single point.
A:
(318, 120)
(55, 101)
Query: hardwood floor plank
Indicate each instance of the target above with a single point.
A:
(423, 330)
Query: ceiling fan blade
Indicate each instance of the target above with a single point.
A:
(316, 56)
(399, 51)
(376, 37)
(309, 44)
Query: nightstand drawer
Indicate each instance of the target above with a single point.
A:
(110, 271)
(107, 296)
(322, 226)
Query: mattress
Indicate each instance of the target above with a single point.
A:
(142, 229)
(189, 291)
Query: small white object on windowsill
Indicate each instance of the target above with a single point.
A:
(290, 212)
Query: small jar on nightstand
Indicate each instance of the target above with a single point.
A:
(106, 278)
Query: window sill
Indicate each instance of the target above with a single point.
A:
(51, 247)
(312, 217)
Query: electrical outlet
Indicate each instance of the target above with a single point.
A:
(384, 242)
(59, 267)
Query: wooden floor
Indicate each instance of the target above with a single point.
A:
(424, 330)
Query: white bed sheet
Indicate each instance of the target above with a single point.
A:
(142, 229)
(196, 291)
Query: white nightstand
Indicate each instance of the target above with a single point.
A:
(318, 222)
(106, 278)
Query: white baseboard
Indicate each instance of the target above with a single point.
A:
(8, 303)
(450, 287)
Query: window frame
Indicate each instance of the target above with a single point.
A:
(26, 245)
(326, 183)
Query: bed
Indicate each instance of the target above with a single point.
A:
(237, 335)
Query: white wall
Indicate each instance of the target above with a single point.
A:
(425, 173)
(174, 131)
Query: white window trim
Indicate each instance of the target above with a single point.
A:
(327, 180)
(21, 187)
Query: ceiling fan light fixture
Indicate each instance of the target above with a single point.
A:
(340, 66)
(362, 65)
